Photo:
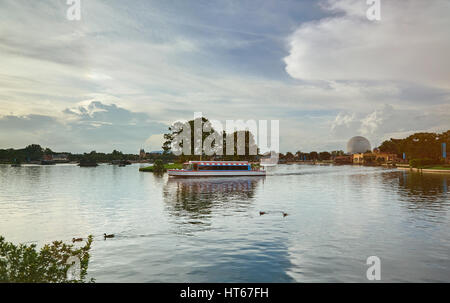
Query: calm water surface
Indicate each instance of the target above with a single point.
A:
(210, 230)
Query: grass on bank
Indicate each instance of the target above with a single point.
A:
(439, 167)
(428, 164)
(166, 167)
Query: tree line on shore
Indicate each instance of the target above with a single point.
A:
(35, 152)
(418, 146)
(424, 147)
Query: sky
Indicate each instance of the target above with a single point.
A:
(117, 78)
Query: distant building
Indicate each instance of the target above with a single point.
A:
(357, 145)
(358, 158)
(385, 157)
(47, 157)
(142, 154)
(375, 157)
(346, 159)
(156, 152)
(60, 157)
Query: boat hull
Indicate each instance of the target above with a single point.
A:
(185, 173)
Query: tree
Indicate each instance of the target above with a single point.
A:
(116, 155)
(417, 146)
(158, 166)
(170, 136)
(337, 153)
(250, 142)
(324, 156)
(48, 151)
(392, 147)
(250, 145)
(34, 152)
(289, 156)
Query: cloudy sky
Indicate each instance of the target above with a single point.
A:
(118, 77)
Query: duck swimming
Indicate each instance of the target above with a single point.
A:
(108, 236)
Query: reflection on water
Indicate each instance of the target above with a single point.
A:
(427, 186)
(425, 194)
(193, 199)
(193, 195)
(210, 230)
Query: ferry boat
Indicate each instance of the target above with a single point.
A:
(216, 169)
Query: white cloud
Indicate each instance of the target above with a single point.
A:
(96, 76)
(410, 43)
(373, 121)
(388, 121)
(92, 126)
(344, 121)
(154, 142)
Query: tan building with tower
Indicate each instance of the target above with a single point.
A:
(142, 154)
(375, 157)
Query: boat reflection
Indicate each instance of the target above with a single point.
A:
(195, 199)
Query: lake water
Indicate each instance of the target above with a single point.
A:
(210, 230)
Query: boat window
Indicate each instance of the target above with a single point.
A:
(223, 167)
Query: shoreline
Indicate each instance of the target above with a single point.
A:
(426, 170)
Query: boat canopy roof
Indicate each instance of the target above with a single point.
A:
(219, 163)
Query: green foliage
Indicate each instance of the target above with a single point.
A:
(439, 167)
(169, 137)
(25, 264)
(249, 145)
(247, 136)
(414, 163)
(158, 167)
(418, 146)
(256, 166)
(94, 156)
(324, 156)
(289, 156)
(165, 166)
(33, 152)
(314, 155)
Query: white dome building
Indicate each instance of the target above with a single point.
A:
(357, 145)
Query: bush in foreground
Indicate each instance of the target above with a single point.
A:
(25, 264)
(158, 167)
